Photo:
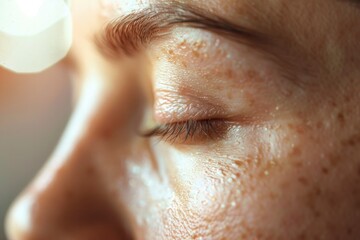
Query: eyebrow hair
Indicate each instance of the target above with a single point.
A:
(128, 34)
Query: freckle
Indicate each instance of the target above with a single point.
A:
(297, 128)
(182, 44)
(229, 73)
(90, 171)
(273, 195)
(334, 161)
(298, 164)
(303, 181)
(317, 214)
(171, 52)
(184, 64)
(347, 99)
(319, 125)
(196, 237)
(251, 73)
(324, 170)
(296, 151)
(341, 119)
(239, 164)
(303, 236)
(333, 104)
(195, 53)
(199, 44)
(250, 99)
(354, 140)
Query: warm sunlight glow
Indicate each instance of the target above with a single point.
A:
(30, 8)
(33, 34)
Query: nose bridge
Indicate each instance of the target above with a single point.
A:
(68, 198)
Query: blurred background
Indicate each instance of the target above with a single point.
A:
(34, 110)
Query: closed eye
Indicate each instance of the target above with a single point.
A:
(190, 131)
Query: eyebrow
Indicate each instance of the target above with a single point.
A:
(128, 34)
(132, 33)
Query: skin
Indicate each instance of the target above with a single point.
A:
(287, 167)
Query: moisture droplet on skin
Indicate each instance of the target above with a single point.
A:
(220, 172)
(234, 165)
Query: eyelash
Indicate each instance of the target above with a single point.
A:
(189, 131)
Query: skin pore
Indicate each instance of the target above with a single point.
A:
(258, 138)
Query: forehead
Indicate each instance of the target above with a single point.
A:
(280, 18)
(217, 6)
(236, 10)
(239, 11)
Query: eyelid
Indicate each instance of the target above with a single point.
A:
(171, 106)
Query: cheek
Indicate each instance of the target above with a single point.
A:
(207, 200)
(304, 192)
(291, 186)
(186, 197)
(310, 192)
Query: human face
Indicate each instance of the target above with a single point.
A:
(257, 124)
